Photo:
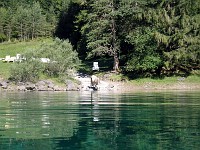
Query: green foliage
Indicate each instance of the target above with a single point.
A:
(5, 70)
(98, 28)
(152, 36)
(26, 71)
(2, 37)
(62, 57)
(177, 34)
(63, 62)
(149, 36)
(196, 73)
(13, 48)
(26, 20)
(118, 77)
(145, 57)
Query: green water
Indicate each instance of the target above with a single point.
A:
(99, 121)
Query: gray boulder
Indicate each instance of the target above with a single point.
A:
(4, 84)
(59, 88)
(51, 86)
(30, 86)
(71, 86)
(42, 88)
(39, 83)
(21, 88)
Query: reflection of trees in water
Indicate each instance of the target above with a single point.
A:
(95, 112)
(154, 122)
(157, 121)
(37, 117)
(100, 125)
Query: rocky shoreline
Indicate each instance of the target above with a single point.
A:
(42, 85)
(84, 82)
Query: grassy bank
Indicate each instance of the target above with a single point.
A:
(168, 83)
(13, 48)
(191, 82)
(168, 80)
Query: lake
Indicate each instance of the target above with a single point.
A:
(99, 120)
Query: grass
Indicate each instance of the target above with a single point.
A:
(4, 69)
(193, 79)
(13, 48)
(167, 80)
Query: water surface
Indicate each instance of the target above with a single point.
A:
(94, 120)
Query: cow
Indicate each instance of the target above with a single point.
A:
(94, 81)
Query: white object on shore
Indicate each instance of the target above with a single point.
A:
(9, 59)
(95, 66)
(13, 59)
(45, 60)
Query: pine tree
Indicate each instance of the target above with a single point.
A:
(101, 30)
(3, 13)
(177, 33)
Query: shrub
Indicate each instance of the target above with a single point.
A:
(25, 71)
(63, 61)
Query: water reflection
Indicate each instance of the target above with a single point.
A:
(88, 120)
(95, 106)
(37, 116)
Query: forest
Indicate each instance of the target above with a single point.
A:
(142, 37)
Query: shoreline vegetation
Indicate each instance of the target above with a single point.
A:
(115, 82)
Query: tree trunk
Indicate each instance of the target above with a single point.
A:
(116, 63)
(114, 42)
(21, 31)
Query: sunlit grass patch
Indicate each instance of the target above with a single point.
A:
(193, 79)
(167, 80)
(4, 69)
(13, 48)
(118, 77)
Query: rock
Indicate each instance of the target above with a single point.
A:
(51, 85)
(50, 89)
(49, 82)
(4, 85)
(30, 86)
(71, 86)
(45, 85)
(58, 88)
(21, 88)
(110, 86)
(20, 83)
(12, 88)
(39, 83)
(42, 88)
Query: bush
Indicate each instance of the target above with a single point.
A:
(26, 71)
(145, 58)
(63, 61)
